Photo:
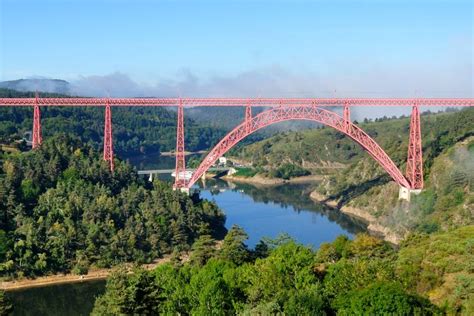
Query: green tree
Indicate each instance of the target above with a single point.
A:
(134, 294)
(234, 248)
(384, 298)
(202, 250)
(6, 307)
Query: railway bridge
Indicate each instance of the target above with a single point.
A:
(276, 110)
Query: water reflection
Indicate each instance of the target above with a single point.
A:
(279, 209)
(64, 299)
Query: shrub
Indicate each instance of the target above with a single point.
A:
(384, 299)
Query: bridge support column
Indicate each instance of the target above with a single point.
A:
(347, 118)
(180, 179)
(37, 137)
(414, 169)
(405, 193)
(108, 141)
(248, 118)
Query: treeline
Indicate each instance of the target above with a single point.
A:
(364, 276)
(61, 210)
(136, 130)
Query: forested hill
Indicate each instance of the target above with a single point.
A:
(136, 130)
(62, 210)
(356, 183)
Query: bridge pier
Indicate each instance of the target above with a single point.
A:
(405, 193)
(183, 189)
(37, 138)
(180, 179)
(108, 142)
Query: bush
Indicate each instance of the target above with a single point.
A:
(384, 299)
(245, 172)
(6, 308)
(288, 171)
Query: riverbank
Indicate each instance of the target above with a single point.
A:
(92, 275)
(186, 153)
(263, 181)
(373, 226)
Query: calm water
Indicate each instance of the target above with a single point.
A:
(268, 212)
(57, 300)
(262, 212)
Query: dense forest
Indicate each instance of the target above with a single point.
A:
(136, 130)
(62, 210)
(364, 276)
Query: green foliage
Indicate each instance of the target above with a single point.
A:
(440, 263)
(234, 248)
(6, 307)
(288, 171)
(65, 211)
(359, 277)
(384, 298)
(202, 250)
(129, 295)
(245, 172)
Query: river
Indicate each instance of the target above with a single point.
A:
(262, 212)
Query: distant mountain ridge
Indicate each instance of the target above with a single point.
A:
(39, 84)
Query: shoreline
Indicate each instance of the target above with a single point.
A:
(373, 226)
(186, 153)
(261, 181)
(69, 278)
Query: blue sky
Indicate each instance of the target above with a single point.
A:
(223, 48)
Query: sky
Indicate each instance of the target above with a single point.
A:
(242, 48)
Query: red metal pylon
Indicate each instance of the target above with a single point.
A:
(180, 177)
(248, 117)
(37, 138)
(414, 170)
(108, 141)
(347, 117)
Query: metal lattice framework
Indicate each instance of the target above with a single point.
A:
(281, 109)
(180, 178)
(36, 137)
(267, 102)
(414, 169)
(304, 112)
(108, 142)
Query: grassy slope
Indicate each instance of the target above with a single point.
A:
(441, 267)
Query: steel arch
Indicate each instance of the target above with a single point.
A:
(303, 112)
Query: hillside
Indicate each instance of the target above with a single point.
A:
(136, 130)
(355, 183)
